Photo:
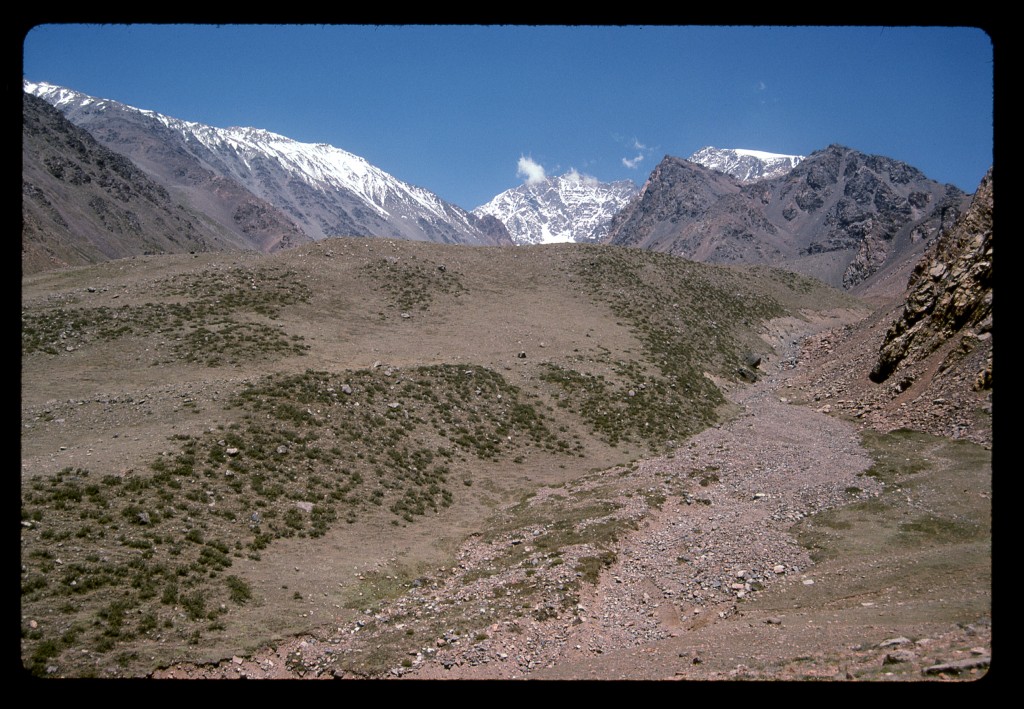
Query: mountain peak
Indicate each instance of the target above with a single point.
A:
(569, 207)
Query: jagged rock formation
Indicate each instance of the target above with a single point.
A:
(949, 294)
(492, 227)
(839, 215)
(745, 165)
(570, 207)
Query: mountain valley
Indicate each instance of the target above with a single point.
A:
(741, 430)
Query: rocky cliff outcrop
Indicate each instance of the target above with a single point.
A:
(949, 295)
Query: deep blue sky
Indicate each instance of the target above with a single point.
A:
(453, 109)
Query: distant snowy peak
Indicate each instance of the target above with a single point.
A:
(570, 207)
(745, 165)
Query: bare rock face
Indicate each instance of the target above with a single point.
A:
(949, 294)
(493, 227)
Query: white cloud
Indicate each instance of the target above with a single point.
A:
(575, 175)
(631, 164)
(638, 145)
(529, 170)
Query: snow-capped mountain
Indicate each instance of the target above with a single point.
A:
(325, 190)
(745, 165)
(570, 207)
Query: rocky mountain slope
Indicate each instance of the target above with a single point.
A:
(323, 190)
(839, 215)
(83, 203)
(745, 165)
(570, 207)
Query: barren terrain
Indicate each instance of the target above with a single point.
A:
(382, 459)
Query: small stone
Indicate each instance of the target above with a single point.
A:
(232, 451)
(892, 642)
(346, 389)
(779, 569)
(808, 582)
(899, 656)
(773, 621)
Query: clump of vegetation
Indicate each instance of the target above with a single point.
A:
(691, 318)
(411, 284)
(214, 326)
(689, 315)
(642, 409)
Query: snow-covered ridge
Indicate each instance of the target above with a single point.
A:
(762, 155)
(323, 167)
(744, 164)
(570, 207)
